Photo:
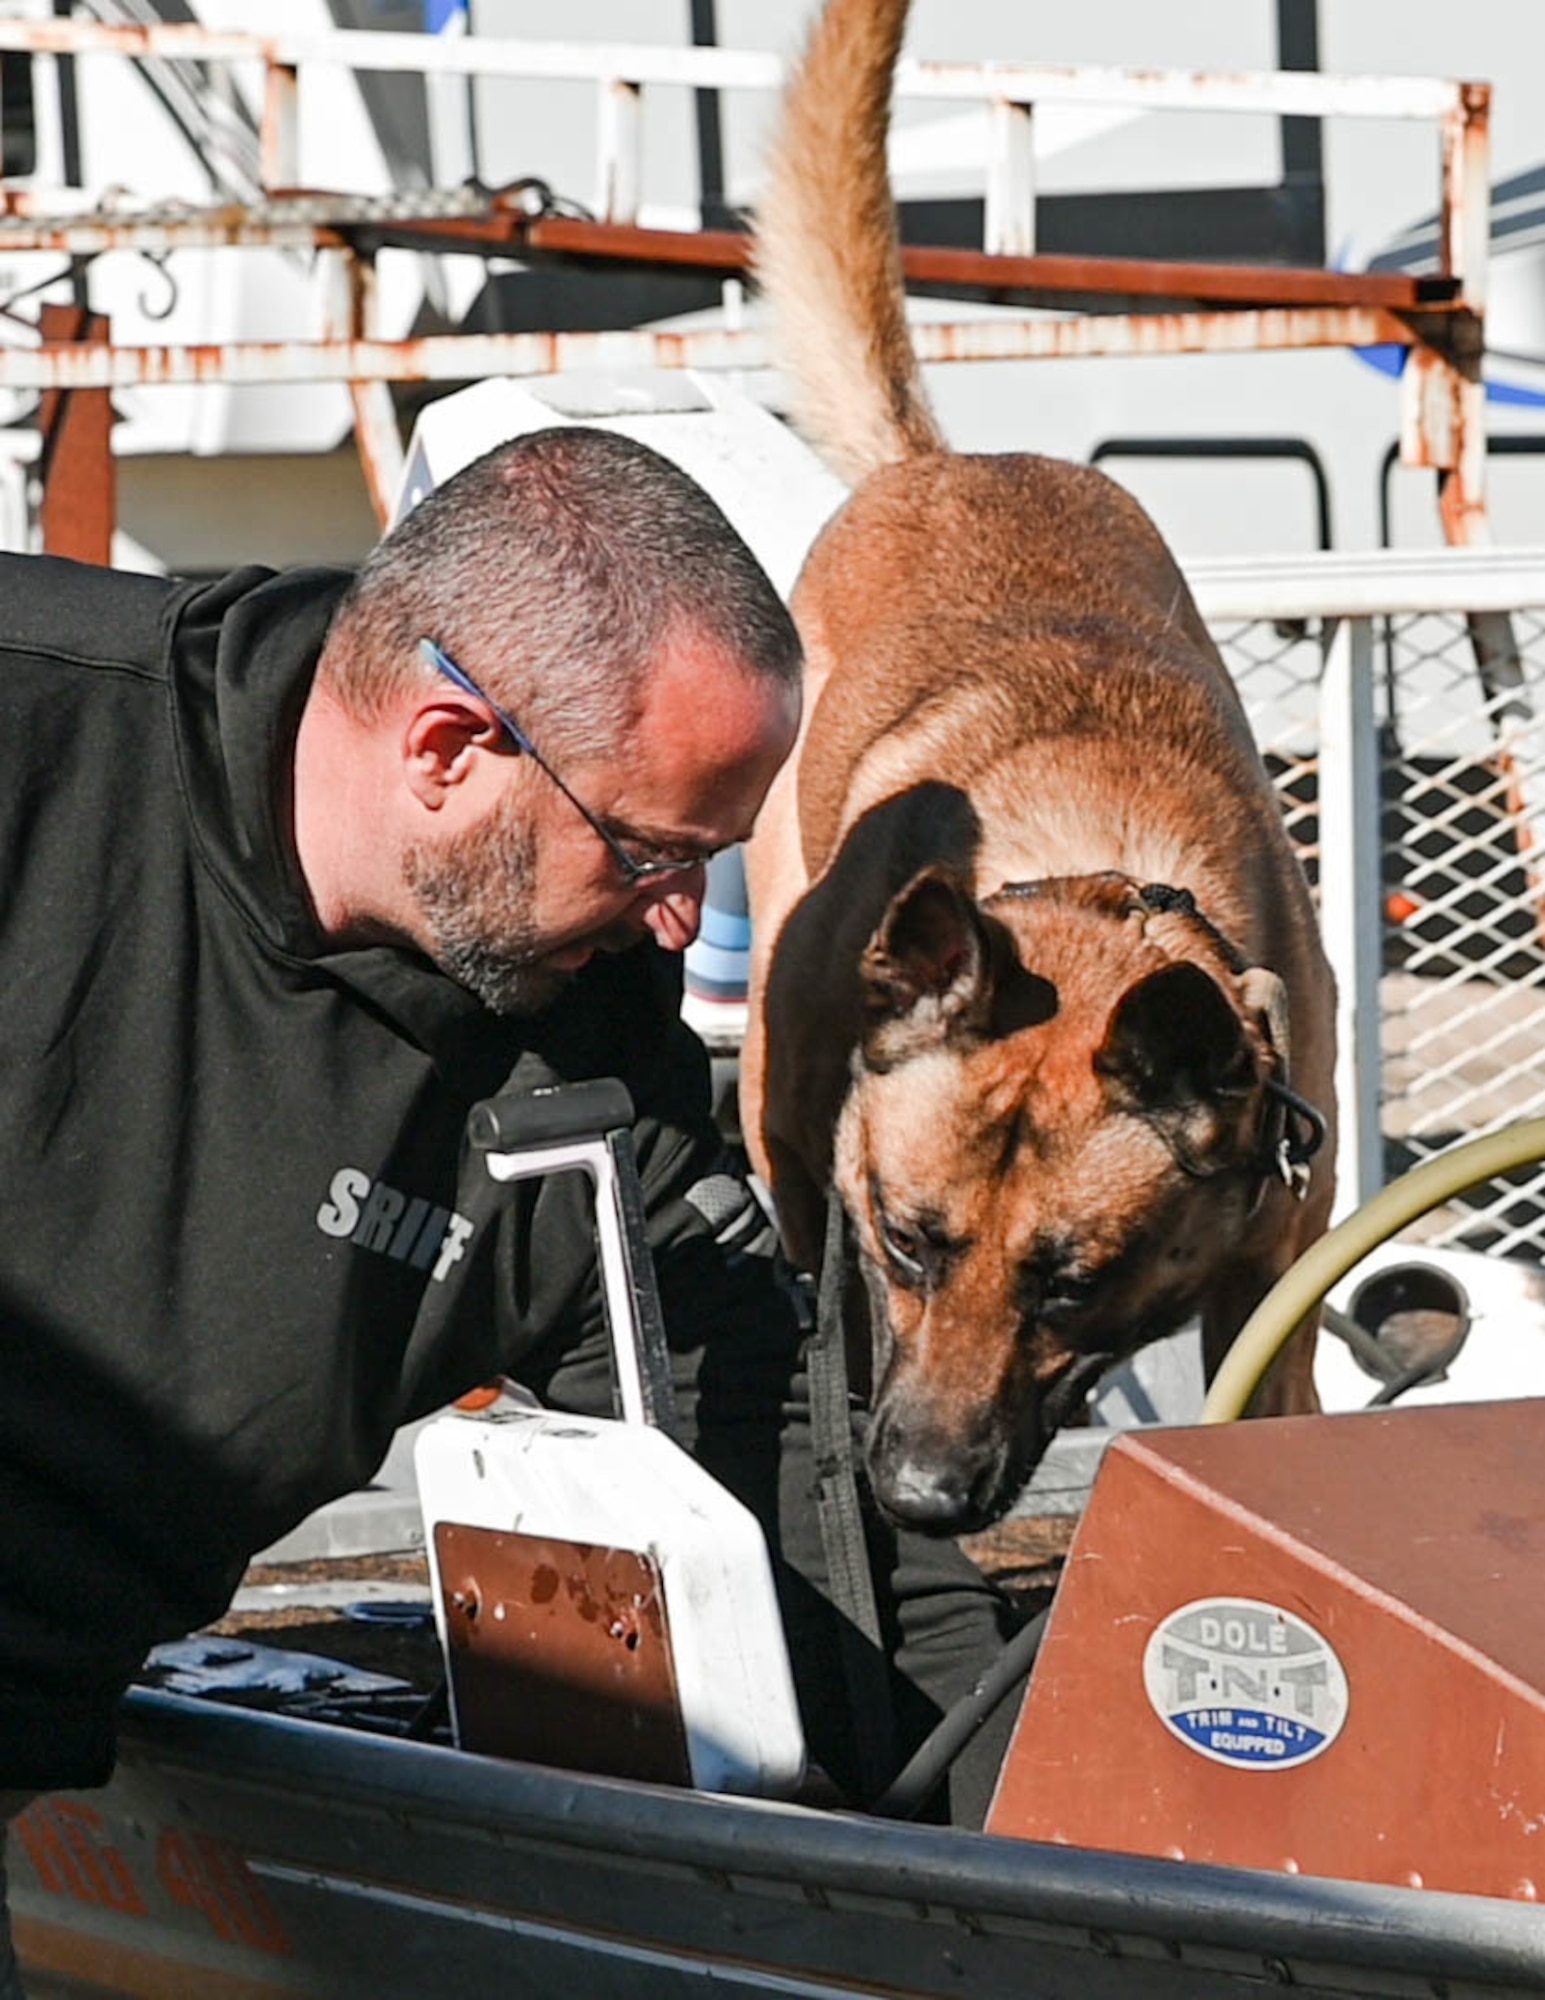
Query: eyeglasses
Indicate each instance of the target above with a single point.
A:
(653, 868)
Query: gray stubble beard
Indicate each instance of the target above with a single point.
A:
(474, 891)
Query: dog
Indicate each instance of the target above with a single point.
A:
(1036, 983)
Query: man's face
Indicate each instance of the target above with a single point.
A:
(514, 905)
(474, 891)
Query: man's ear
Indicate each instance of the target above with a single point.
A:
(439, 740)
(1176, 1052)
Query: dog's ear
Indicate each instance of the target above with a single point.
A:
(1176, 1052)
(1264, 996)
(926, 972)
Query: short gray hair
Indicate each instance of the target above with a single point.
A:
(553, 569)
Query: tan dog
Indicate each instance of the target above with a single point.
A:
(1029, 934)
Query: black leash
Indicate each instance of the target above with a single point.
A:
(862, 1647)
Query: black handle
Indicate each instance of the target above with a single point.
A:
(543, 1117)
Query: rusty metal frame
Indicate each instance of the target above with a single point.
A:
(1118, 306)
(76, 470)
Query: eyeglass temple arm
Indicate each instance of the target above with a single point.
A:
(444, 664)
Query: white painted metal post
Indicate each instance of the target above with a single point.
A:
(1009, 215)
(1352, 901)
(281, 126)
(1466, 234)
(1466, 215)
(377, 438)
(619, 164)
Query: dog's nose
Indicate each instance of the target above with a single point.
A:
(929, 1498)
(943, 1473)
(931, 1509)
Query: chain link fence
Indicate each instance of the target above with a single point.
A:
(1459, 706)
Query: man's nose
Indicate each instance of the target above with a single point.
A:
(674, 914)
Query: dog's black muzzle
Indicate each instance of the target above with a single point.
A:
(943, 1476)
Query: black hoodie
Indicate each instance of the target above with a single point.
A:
(240, 1240)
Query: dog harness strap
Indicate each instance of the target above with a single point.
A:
(1292, 1129)
(842, 1521)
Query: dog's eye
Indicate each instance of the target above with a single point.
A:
(902, 1247)
(1064, 1292)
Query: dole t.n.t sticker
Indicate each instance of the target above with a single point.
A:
(1245, 1683)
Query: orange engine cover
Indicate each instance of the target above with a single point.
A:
(1313, 1644)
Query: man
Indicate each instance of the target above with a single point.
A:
(298, 868)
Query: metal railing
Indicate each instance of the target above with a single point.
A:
(621, 72)
(1439, 320)
(1400, 701)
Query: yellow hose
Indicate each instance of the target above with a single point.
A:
(1302, 1287)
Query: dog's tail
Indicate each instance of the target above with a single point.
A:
(827, 251)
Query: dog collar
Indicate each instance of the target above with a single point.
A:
(1293, 1130)
(1300, 1135)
